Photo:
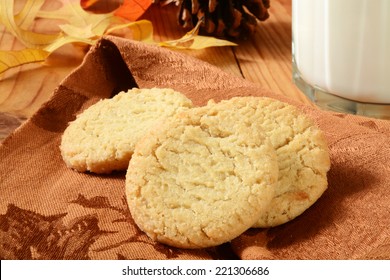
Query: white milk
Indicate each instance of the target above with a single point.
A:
(343, 47)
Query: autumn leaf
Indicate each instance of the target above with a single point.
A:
(141, 30)
(27, 15)
(81, 32)
(132, 9)
(11, 59)
(28, 38)
(85, 4)
(100, 6)
(83, 27)
(80, 27)
(196, 42)
(79, 18)
(191, 40)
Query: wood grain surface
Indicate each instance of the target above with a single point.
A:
(263, 58)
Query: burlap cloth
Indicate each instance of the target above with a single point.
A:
(51, 212)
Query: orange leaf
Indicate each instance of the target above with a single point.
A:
(132, 9)
(100, 6)
(85, 4)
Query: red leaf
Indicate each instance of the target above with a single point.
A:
(85, 4)
(100, 6)
(133, 9)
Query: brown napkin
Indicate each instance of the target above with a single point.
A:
(48, 211)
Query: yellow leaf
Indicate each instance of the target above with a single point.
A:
(67, 40)
(80, 27)
(28, 38)
(26, 16)
(10, 59)
(77, 32)
(76, 16)
(142, 30)
(191, 40)
(196, 42)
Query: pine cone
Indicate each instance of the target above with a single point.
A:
(223, 18)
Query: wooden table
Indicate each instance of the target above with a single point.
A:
(264, 58)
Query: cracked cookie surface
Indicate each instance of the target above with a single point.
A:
(102, 138)
(302, 152)
(201, 178)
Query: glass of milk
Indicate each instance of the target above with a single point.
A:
(341, 54)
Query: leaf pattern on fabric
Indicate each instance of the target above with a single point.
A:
(25, 234)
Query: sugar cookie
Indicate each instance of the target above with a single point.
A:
(201, 178)
(301, 149)
(102, 138)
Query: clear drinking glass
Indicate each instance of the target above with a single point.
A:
(341, 54)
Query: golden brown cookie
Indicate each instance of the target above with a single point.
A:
(102, 138)
(201, 178)
(302, 152)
